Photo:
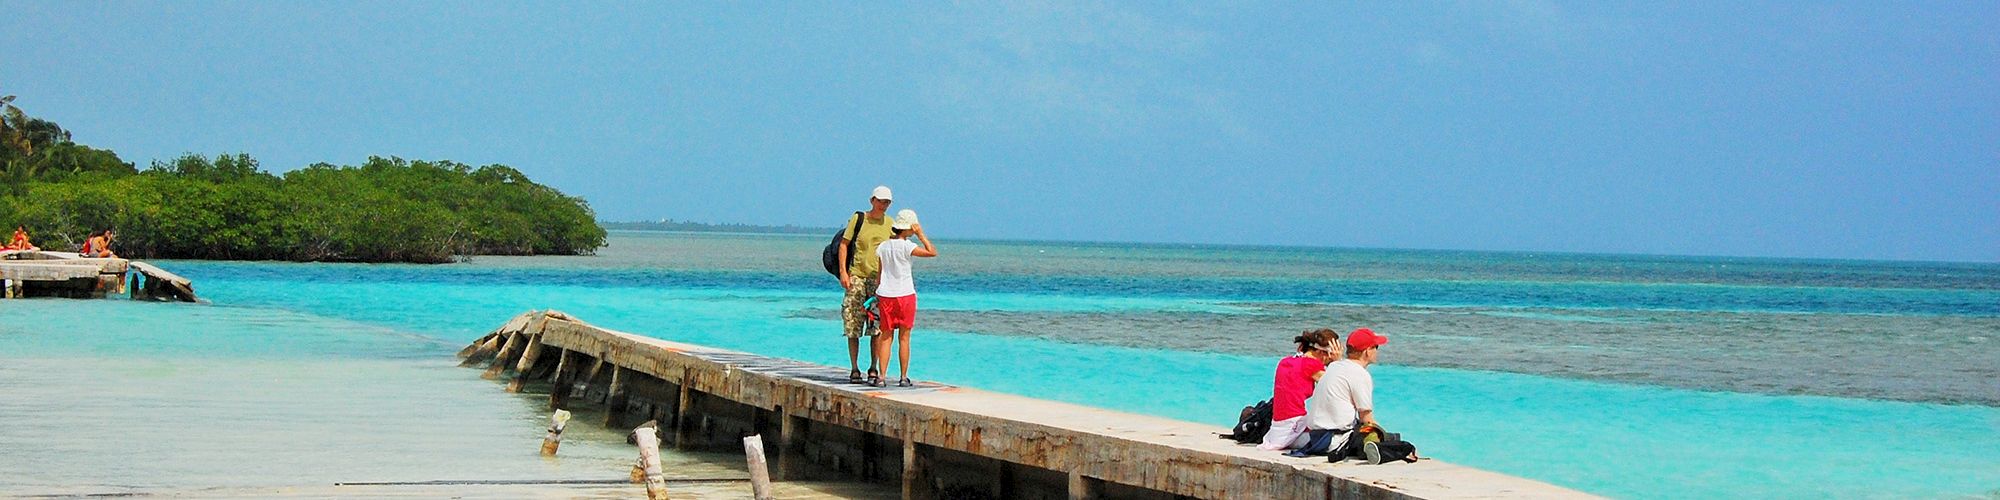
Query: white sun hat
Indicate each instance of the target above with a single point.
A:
(905, 219)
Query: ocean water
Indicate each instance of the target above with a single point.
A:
(1628, 376)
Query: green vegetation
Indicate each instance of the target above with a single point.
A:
(383, 210)
(702, 227)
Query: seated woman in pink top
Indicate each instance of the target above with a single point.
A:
(1296, 375)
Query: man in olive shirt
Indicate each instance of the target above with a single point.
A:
(861, 275)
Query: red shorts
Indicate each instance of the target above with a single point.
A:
(898, 312)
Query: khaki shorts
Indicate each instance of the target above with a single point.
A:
(853, 309)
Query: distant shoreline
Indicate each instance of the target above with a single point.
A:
(703, 227)
(671, 226)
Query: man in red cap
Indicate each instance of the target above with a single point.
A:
(1344, 398)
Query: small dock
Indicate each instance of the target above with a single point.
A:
(36, 273)
(934, 440)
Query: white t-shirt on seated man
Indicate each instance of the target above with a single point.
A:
(1344, 398)
(1343, 392)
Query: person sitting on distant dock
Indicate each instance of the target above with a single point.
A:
(1294, 383)
(20, 241)
(98, 245)
(897, 293)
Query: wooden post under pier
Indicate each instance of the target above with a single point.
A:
(564, 379)
(531, 354)
(760, 476)
(615, 396)
(506, 355)
(649, 454)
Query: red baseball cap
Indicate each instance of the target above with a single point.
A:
(1363, 338)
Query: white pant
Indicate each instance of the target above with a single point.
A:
(1285, 434)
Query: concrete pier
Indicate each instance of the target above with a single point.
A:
(937, 441)
(35, 273)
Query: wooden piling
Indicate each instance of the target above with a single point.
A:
(615, 396)
(559, 386)
(791, 438)
(474, 346)
(505, 357)
(589, 378)
(484, 350)
(916, 466)
(554, 438)
(649, 453)
(1083, 487)
(684, 412)
(529, 355)
(760, 476)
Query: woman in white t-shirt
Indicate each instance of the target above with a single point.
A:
(897, 294)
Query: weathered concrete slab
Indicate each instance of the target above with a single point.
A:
(162, 284)
(46, 270)
(160, 274)
(1090, 444)
(498, 490)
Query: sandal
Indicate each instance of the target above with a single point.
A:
(905, 383)
(853, 376)
(874, 379)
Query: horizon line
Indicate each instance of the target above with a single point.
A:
(991, 239)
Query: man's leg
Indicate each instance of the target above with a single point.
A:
(853, 354)
(853, 316)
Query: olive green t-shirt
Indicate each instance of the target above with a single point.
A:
(874, 231)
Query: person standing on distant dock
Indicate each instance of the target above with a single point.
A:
(897, 294)
(862, 275)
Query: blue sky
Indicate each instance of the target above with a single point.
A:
(1809, 129)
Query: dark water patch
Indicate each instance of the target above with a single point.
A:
(1511, 293)
(1934, 359)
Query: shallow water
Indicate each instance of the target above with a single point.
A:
(1625, 376)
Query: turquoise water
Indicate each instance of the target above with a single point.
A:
(1624, 376)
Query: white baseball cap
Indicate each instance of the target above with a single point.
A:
(905, 219)
(881, 193)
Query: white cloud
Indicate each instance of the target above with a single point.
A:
(1020, 67)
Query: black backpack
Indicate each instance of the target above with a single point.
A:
(1251, 424)
(831, 256)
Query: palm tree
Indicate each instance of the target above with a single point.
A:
(11, 122)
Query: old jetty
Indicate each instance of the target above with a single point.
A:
(35, 273)
(934, 440)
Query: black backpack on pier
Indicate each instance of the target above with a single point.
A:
(831, 256)
(1251, 424)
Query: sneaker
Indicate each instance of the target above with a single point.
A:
(905, 382)
(1373, 452)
